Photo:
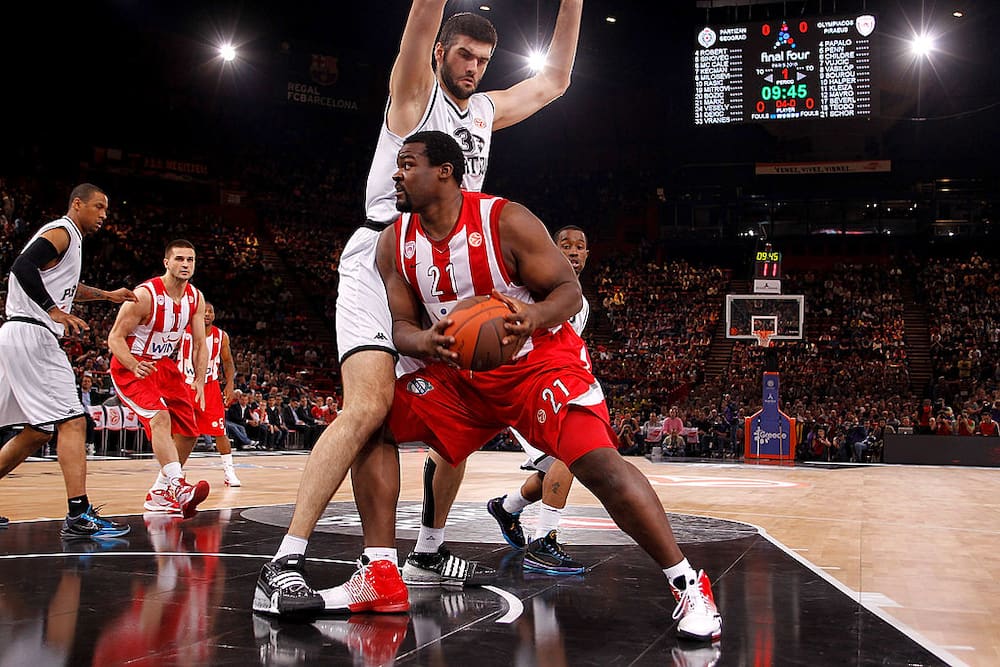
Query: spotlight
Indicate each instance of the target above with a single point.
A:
(228, 52)
(536, 61)
(922, 45)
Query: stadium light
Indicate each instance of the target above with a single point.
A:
(922, 45)
(227, 52)
(536, 61)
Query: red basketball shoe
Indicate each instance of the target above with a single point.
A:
(699, 617)
(376, 586)
(189, 496)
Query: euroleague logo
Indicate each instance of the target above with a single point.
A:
(475, 239)
(480, 123)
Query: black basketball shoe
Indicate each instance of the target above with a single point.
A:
(282, 589)
(510, 524)
(441, 568)
(546, 555)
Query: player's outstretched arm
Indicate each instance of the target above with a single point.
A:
(412, 77)
(409, 336)
(130, 315)
(88, 293)
(539, 265)
(525, 98)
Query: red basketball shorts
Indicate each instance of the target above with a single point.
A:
(166, 389)
(211, 420)
(456, 412)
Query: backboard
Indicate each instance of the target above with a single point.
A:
(749, 313)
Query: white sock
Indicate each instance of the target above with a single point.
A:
(291, 545)
(173, 472)
(682, 573)
(227, 460)
(381, 553)
(515, 502)
(429, 540)
(548, 519)
(162, 483)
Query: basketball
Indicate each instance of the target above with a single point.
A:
(477, 325)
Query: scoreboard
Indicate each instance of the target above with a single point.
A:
(779, 70)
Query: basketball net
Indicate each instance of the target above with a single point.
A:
(763, 337)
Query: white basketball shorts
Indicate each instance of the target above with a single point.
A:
(37, 386)
(538, 460)
(363, 319)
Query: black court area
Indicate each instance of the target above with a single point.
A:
(178, 592)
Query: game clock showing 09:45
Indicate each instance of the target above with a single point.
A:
(767, 264)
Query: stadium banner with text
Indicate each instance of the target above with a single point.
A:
(324, 82)
(798, 168)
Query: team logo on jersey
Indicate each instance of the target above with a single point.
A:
(865, 24)
(541, 416)
(410, 249)
(159, 299)
(480, 123)
(475, 239)
(323, 70)
(419, 386)
(706, 37)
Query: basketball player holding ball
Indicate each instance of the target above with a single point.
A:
(488, 244)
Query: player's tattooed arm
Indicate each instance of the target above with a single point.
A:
(88, 293)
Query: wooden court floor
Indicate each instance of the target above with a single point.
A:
(919, 546)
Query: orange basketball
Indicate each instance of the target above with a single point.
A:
(477, 325)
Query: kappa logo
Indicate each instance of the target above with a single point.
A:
(410, 249)
(475, 239)
(419, 386)
(381, 336)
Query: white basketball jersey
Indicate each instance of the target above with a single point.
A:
(60, 281)
(579, 321)
(472, 129)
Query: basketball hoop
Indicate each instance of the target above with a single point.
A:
(763, 337)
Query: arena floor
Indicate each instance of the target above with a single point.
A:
(886, 565)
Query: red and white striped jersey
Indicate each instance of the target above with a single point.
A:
(213, 341)
(161, 335)
(468, 262)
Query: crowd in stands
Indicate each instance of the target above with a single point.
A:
(963, 307)
(662, 317)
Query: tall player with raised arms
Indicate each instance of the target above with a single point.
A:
(421, 97)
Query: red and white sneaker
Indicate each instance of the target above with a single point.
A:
(699, 617)
(189, 496)
(376, 586)
(161, 500)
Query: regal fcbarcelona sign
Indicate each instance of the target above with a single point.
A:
(770, 433)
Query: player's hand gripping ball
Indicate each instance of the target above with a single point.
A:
(478, 328)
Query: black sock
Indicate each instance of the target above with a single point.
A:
(78, 505)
